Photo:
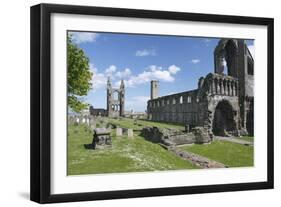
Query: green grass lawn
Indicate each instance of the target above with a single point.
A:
(230, 154)
(125, 155)
(246, 138)
(139, 124)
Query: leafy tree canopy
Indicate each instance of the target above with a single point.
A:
(79, 76)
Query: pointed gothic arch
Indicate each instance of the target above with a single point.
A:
(226, 57)
(224, 123)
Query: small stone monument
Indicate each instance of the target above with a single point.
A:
(77, 121)
(187, 128)
(201, 135)
(119, 132)
(130, 133)
(92, 121)
(101, 137)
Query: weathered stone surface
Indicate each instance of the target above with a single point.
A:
(201, 135)
(187, 128)
(101, 137)
(196, 159)
(169, 137)
(92, 120)
(77, 121)
(115, 104)
(130, 133)
(224, 100)
(119, 132)
(100, 131)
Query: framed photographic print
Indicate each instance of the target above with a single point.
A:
(133, 103)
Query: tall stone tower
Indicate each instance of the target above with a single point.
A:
(239, 64)
(115, 100)
(122, 98)
(154, 89)
(108, 98)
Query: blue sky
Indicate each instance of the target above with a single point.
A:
(177, 62)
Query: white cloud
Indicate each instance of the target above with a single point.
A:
(93, 68)
(138, 103)
(153, 72)
(195, 61)
(123, 74)
(252, 50)
(173, 69)
(145, 52)
(82, 37)
(99, 80)
(110, 70)
(142, 99)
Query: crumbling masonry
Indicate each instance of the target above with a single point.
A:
(223, 103)
(115, 100)
(115, 106)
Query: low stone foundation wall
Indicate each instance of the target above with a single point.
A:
(196, 159)
(201, 135)
(174, 137)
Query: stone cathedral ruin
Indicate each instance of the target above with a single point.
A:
(115, 102)
(223, 103)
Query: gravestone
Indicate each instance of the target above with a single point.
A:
(70, 120)
(92, 121)
(101, 138)
(130, 133)
(187, 128)
(118, 132)
(77, 121)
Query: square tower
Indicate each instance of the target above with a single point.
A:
(154, 88)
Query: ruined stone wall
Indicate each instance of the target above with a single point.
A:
(223, 100)
(176, 108)
(115, 100)
(240, 65)
(228, 95)
(198, 107)
(97, 112)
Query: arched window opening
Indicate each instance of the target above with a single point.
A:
(181, 100)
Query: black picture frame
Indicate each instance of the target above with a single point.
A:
(41, 99)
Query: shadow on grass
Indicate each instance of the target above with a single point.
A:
(89, 146)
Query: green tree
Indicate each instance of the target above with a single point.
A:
(79, 76)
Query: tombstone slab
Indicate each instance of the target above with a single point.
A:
(101, 137)
(119, 132)
(130, 133)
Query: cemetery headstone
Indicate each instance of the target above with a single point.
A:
(130, 133)
(119, 132)
(101, 138)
